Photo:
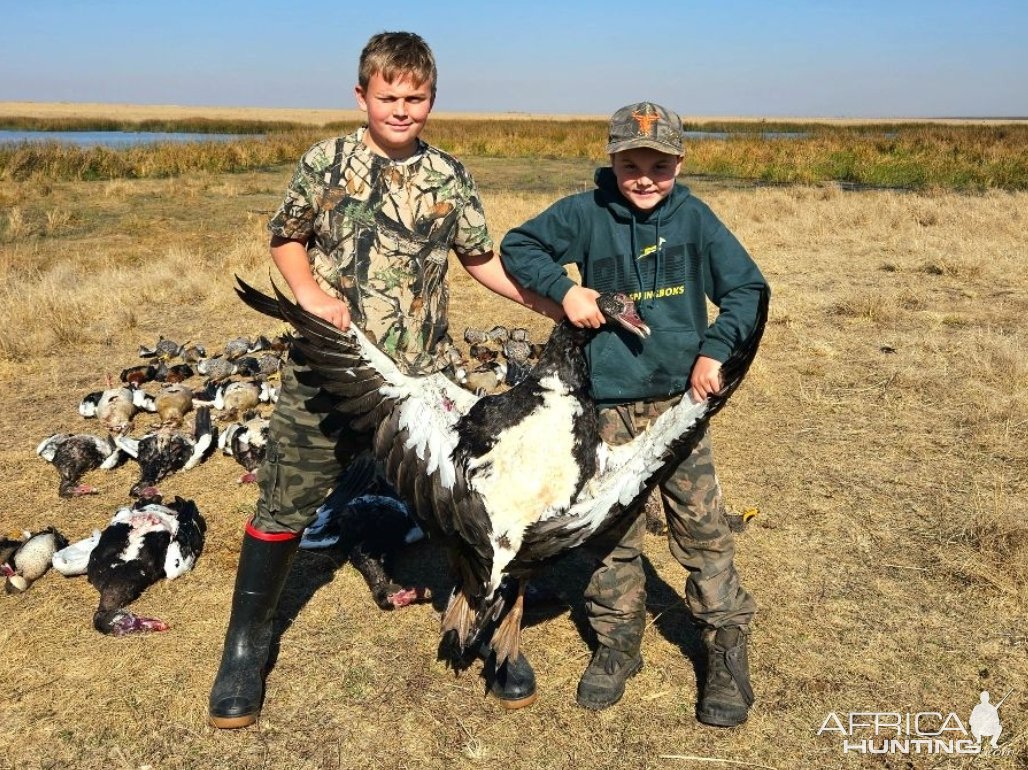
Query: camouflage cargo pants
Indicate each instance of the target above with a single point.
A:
(310, 446)
(698, 535)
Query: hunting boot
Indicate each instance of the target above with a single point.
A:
(238, 690)
(513, 685)
(727, 695)
(603, 683)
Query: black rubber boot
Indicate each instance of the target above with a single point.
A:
(727, 695)
(238, 690)
(513, 685)
(603, 683)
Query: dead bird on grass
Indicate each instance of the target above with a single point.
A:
(75, 454)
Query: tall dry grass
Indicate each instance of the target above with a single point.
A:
(901, 155)
(881, 433)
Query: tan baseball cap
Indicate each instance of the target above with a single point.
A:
(645, 124)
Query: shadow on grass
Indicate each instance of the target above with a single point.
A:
(422, 564)
(556, 589)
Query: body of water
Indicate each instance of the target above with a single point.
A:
(114, 138)
(131, 138)
(727, 135)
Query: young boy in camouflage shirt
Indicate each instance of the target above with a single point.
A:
(643, 234)
(362, 237)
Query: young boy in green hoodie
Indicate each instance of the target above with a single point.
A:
(642, 233)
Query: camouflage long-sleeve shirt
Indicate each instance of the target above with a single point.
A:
(378, 233)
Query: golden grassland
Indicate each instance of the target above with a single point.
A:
(882, 434)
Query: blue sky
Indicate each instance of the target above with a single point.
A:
(852, 59)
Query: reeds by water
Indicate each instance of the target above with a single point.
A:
(910, 156)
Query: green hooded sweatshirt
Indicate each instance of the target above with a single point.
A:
(669, 260)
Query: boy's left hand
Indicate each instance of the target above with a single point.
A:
(705, 378)
(581, 309)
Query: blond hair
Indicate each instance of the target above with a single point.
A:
(396, 55)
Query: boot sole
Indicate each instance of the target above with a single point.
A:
(233, 723)
(520, 703)
(597, 705)
(713, 720)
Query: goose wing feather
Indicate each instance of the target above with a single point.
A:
(414, 418)
(628, 472)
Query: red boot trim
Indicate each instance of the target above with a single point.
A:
(270, 537)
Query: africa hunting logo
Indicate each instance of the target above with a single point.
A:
(922, 732)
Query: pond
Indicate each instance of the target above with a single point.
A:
(114, 139)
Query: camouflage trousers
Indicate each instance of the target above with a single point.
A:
(310, 448)
(698, 535)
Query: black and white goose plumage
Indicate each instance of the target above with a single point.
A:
(142, 544)
(375, 526)
(74, 455)
(247, 442)
(166, 450)
(514, 479)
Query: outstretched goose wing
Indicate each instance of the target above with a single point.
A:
(413, 418)
(628, 472)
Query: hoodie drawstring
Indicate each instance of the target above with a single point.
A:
(635, 259)
(658, 255)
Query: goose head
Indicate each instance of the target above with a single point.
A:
(620, 309)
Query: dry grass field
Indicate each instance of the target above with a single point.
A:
(882, 434)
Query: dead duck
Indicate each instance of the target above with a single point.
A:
(192, 354)
(164, 349)
(75, 454)
(485, 379)
(483, 353)
(456, 367)
(475, 336)
(174, 374)
(142, 544)
(498, 334)
(166, 450)
(247, 443)
(262, 366)
(237, 348)
(114, 407)
(31, 559)
(240, 396)
(518, 353)
(376, 526)
(173, 402)
(472, 467)
(139, 375)
(216, 368)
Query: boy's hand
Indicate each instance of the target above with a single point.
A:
(705, 378)
(581, 309)
(324, 306)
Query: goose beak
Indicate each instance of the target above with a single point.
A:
(630, 319)
(621, 309)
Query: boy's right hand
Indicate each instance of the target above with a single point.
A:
(581, 309)
(326, 307)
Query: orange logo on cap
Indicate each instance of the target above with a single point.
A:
(645, 121)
